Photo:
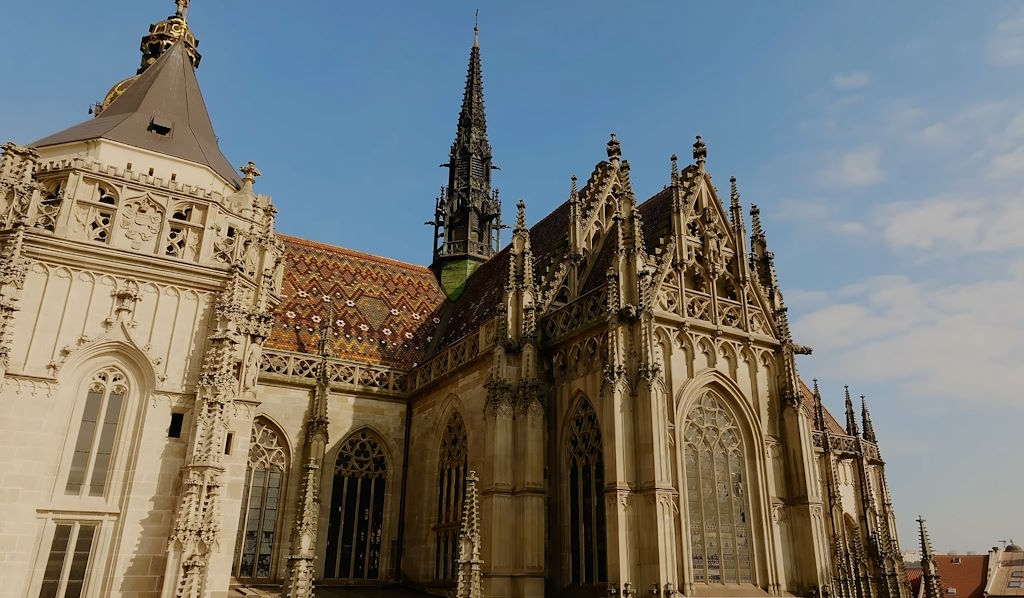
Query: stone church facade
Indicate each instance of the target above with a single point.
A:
(191, 401)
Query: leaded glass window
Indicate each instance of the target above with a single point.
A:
(716, 494)
(587, 541)
(68, 560)
(355, 532)
(97, 430)
(261, 502)
(451, 488)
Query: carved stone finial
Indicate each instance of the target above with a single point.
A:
(700, 152)
(869, 428)
(470, 576)
(182, 8)
(520, 216)
(250, 172)
(675, 168)
(851, 420)
(573, 190)
(614, 149)
(931, 583)
(734, 192)
(755, 222)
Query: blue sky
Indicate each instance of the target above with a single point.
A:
(883, 141)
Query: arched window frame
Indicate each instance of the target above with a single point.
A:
(750, 468)
(579, 570)
(351, 464)
(75, 376)
(268, 453)
(453, 459)
(118, 353)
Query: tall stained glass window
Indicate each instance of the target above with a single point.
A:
(450, 491)
(587, 541)
(716, 494)
(261, 503)
(355, 532)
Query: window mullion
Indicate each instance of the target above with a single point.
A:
(355, 529)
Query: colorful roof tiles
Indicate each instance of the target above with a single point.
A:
(385, 311)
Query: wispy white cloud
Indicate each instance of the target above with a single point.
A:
(953, 224)
(858, 167)
(957, 342)
(851, 80)
(821, 213)
(1006, 45)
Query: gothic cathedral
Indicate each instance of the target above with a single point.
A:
(193, 403)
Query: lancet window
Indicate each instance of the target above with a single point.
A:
(355, 532)
(97, 430)
(716, 494)
(261, 502)
(451, 488)
(587, 540)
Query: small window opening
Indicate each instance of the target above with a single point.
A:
(227, 443)
(150, 172)
(174, 176)
(160, 126)
(231, 232)
(177, 419)
(129, 167)
(951, 591)
(956, 560)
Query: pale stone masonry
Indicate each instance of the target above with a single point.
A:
(192, 401)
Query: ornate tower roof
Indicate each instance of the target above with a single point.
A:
(163, 112)
(467, 217)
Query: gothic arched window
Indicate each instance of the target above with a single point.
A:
(261, 502)
(97, 430)
(451, 488)
(587, 541)
(716, 494)
(355, 533)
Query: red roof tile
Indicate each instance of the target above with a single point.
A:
(385, 311)
(968, 576)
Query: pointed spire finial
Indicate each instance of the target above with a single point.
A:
(851, 420)
(520, 216)
(700, 152)
(574, 191)
(734, 192)
(182, 10)
(819, 409)
(755, 222)
(931, 584)
(869, 429)
(476, 29)
(675, 169)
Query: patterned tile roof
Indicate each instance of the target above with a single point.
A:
(385, 311)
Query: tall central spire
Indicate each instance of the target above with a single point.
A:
(467, 217)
